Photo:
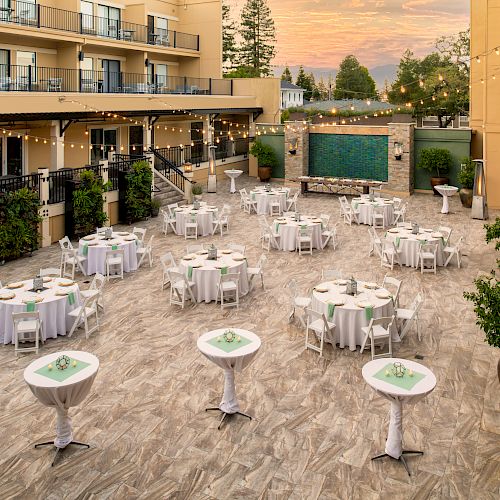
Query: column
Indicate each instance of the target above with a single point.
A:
(296, 135)
(56, 147)
(46, 239)
(401, 173)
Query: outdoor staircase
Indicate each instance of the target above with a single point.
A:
(166, 193)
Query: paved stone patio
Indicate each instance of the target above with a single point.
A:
(316, 422)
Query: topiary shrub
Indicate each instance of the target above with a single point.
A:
(435, 160)
(467, 173)
(19, 220)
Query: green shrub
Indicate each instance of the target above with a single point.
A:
(197, 189)
(467, 173)
(266, 157)
(19, 222)
(138, 194)
(88, 202)
(435, 160)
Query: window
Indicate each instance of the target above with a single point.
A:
(162, 31)
(109, 21)
(87, 10)
(87, 64)
(4, 67)
(26, 58)
(103, 141)
(26, 70)
(135, 140)
(161, 75)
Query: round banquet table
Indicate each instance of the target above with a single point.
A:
(264, 199)
(375, 375)
(203, 216)
(287, 228)
(446, 192)
(206, 273)
(347, 315)
(235, 360)
(62, 394)
(233, 174)
(94, 247)
(365, 207)
(53, 310)
(408, 244)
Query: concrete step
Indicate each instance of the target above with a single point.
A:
(167, 194)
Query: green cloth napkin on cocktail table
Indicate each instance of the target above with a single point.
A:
(404, 382)
(114, 247)
(71, 298)
(331, 310)
(223, 270)
(30, 306)
(398, 241)
(369, 313)
(190, 272)
(85, 250)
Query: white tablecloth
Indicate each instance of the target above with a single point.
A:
(204, 217)
(409, 244)
(265, 198)
(349, 318)
(96, 253)
(365, 207)
(206, 277)
(62, 395)
(287, 228)
(229, 362)
(233, 174)
(53, 309)
(397, 396)
(446, 192)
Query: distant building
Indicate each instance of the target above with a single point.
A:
(292, 96)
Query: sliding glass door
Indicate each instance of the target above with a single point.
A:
(109, 21)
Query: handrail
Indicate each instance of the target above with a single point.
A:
(170, 171)
(12, 183)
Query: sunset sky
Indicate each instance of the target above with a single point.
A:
(320, 33)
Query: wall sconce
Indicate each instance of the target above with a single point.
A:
(146, 62)
(292, 146)
(81, 55)
(188, 167)
(398, 150)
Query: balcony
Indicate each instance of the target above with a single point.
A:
(39, 79)
(41, 16)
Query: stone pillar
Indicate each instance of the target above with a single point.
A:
(296, 164)
(46, 239)
(56, 147)
(401, 172)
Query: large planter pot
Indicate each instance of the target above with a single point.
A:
(466, 197)
(265, 174)
(438, 181)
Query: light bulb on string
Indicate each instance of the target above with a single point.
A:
(497, 51)
(421, 83)
(478, 59)
(403, 90)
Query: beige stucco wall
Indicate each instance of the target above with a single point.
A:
(267, 96)
(200, 175)
(485, 98)
(38, 153)
(56, 228)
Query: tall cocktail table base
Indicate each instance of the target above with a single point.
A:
(401, 458)
(60, 449)
(224, 415)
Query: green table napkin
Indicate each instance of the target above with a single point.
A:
(62, 375)
(229, 346)
(30, 306)
(398, 241)
(190, 272)
(253, 196)
(223, 270)
(404, 382)
(331, 310)
(85, 250)
(71, 298)
(114, 247)
(356, 205)
(369, 313)
(423, 242)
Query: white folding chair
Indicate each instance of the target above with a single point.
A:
(331, 274)
(102, 230)
(291, 203)
(396, 202)
(378, 331)
(168, 264)
(28, 327)
(270, 238)
(114, 261)
(180, 289)
(349, 213)
(325, 218)
(323, 329)
(70, 258)
(393, 286)
(304, 239)
(191, 227)
(427, 256)
(83, 313)
(400, 213)
(451, 251)
(65, 243)
(96, 289)
(329, 234)
(406, 317)
(168, 221)
(229, 288)
(243, 194)
(140, 233)
(221, 222)
(249, 204)
(194, 248)
(50, 272)
(378, 221)
(274, 207)
(390, 254)
(446, 231)
(146, 251)
(258, 270)
(297, 301)
(235, 247)
(375, 243)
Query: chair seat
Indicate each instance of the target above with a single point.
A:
(76, 312)
(427, 255)
(89, 293)
(142, 250)
(327, 233)
(404, 313)
(304, 239)
(181, 285)
(302, 301)
(27, 325)
(449, 249)
(318, 325)
(378, 331)
(71, 260)
(191, 224)
(113, 261)
(228, 286)
(254, 270)
(390, 251)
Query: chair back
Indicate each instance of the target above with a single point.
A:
(150, 242)
(167, 261)
(194, 248)
(459, 243)
(140, 233)
(325, 218)
(50, 271)
(226, 208)
(429, 248)
(234, 277)
(65, 243)
(305, 231)
(98, 282)
(237, 248)
(262, 261)
(417, 303)
(312, 316)
(446, 233)
(68, 253)
(120, 252)
(171, 207)
(385, 322)
(101, 230)
(392, 282)
(292, 288)
(22, 316)
(176, 277)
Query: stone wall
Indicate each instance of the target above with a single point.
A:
(297, 164)
(401, 172)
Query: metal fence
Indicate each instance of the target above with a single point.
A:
(10, 183)
(42, 16)
(58, 178)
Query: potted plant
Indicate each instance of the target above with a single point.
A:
(466, 178)
(155, 207)
(266, 159)
(486, 298)
(438, 162)
(197, 191)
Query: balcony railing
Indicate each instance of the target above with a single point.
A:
(39, 79)
(42, 16)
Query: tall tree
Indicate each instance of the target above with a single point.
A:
(258, 36)
(321, 91)
(456, 48)
(305, 82)
(287, 75)
(229, 47)
(353, 81)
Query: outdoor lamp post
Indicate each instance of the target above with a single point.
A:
(212, 174)
(188, 167)
(479, 205)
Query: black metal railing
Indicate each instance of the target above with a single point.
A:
(169, 170)
(121, 163)
(42, 79)
(42, 16)
(58, 178)
(10, 183)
